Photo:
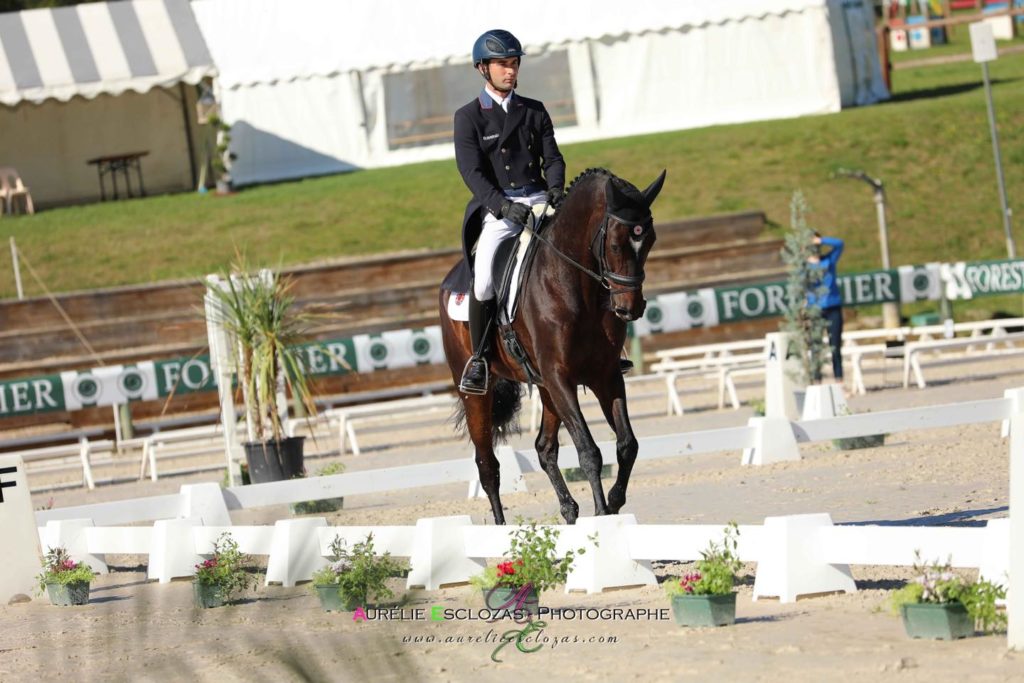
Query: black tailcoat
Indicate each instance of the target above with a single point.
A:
(496, 151)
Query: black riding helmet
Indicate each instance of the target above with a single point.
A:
(496, 44)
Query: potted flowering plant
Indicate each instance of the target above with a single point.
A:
(65, 581)
(354, 576)
(221, 576)
(940, 604)
(705, 596)
(530, 566)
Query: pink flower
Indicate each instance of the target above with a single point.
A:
(688, 581)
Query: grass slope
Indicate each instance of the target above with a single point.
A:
(930, 145)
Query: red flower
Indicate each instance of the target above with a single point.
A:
(687, 582)
(505, 569)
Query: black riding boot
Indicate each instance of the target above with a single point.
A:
(481, 317)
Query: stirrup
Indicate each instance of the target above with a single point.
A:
(475, 390)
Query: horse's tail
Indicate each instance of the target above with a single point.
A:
(507, 402)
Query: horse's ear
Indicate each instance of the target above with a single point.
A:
(651, 193)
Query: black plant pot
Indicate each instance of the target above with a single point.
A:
(275, 460)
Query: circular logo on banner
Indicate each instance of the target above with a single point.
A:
(654, 314)
(132, 383)
(922, 282)
(420, 348)
(377, 354)
(86, 388)
(695, 309)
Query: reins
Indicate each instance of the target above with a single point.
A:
(606, 277)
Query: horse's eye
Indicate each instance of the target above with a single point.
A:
(615, 249)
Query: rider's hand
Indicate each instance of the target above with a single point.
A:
(517, 213)
(554, 194)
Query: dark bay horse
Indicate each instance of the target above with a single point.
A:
(583, 285)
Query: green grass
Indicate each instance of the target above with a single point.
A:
(930, 145)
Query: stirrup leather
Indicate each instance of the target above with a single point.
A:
(475, 390)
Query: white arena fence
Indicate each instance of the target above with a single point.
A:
(795, 555)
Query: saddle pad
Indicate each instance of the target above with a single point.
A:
(458, 306)
(458, 302)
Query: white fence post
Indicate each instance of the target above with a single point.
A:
(295, 552)
(439, 555)
(205, 502)
(172, 552)
(824, 400)
(1015, 592)
(774, 442)
(511, 475)
(790, 562)
(70, 533)
(608, 565)
(781, 366)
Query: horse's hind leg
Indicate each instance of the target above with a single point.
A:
(613, 402)
(481, 430)
(547, 452)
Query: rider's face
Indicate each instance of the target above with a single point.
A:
(504, 72)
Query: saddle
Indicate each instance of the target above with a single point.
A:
(510, 271)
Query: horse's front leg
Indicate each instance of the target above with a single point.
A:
(612, 396)
(547, 453)
(566, 405)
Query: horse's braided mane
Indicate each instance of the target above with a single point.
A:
(627, 188)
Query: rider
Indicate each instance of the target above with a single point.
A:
(505, 150)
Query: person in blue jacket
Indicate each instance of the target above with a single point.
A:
(831, 300)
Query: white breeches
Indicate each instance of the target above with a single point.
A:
(495, 230)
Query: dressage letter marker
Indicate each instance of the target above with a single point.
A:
(7, 484)
(21, 539)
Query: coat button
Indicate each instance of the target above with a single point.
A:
(507, 167)
(530, 164)
(513, 184)
(504, 150)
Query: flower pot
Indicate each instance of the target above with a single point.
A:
(331, 600)
(512, 598)
(68, 594)
(854, 442)
(704, 610)
(273, 460)
(207, 596)
(576, 473)
(311, 507)
(943, 622)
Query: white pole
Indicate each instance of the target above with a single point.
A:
(17, 270)
(222, 367)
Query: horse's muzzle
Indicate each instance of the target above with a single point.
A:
(630, 314)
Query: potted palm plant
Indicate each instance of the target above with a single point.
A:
(258, 312)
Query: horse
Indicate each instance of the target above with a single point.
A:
(583, 285)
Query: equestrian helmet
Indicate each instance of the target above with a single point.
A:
(496, 44)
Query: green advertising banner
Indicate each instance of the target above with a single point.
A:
(111, 385)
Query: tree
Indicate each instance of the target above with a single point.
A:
(803, 321)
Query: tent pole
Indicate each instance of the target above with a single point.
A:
(188, 133)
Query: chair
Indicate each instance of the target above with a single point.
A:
(11, 188)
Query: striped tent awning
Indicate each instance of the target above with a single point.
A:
(99, 48)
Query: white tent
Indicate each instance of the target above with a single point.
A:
(318, 86)
(96, 80)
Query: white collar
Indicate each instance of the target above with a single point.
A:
(498, 99)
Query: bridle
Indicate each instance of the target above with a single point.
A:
(606, 276)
